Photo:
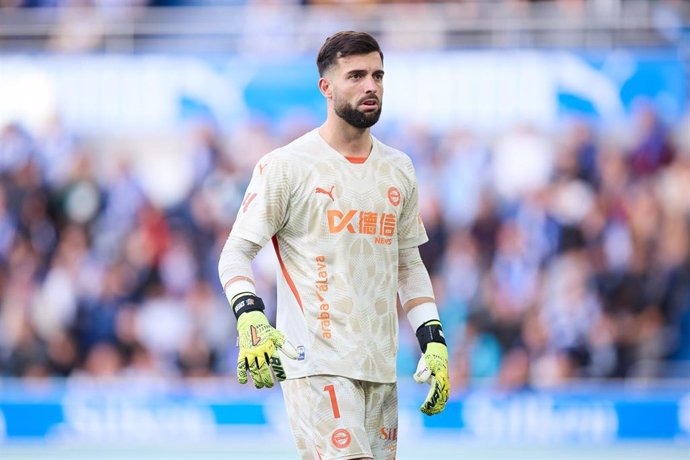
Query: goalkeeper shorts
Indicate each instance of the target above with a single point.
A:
(336, 417)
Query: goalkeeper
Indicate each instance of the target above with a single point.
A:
(341, 211)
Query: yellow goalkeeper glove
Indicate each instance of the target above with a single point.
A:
(259, 344)
(433, 367)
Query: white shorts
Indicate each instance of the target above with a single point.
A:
(339, 418)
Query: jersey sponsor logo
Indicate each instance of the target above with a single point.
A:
(341, 438)
(394, 196)
(324, 318)
(384, 241)
(249, 197)
(337, 221)
(321, 285)
(321, 282)
(388, 434)
(328, 193)
(380, 225)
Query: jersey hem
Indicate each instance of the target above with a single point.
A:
(351, 456)
(352, 377)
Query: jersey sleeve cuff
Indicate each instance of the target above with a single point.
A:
(412, 242)
(250, 236)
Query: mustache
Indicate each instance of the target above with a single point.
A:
(369, 98)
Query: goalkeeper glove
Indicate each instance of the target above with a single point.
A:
(433, 366)
(259, 343)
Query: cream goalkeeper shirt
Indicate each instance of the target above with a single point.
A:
(336, 227)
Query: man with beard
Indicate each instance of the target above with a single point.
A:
(341, 210)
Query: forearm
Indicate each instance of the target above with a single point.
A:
(257, 339)
(417, 298)
(235, 267)
(414, 289)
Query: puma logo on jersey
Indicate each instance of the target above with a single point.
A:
(326, 192)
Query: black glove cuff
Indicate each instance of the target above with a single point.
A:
(430, 331)
(247, 303)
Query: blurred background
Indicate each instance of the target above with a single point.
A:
(552, 145)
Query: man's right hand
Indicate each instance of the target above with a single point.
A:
(259, 344)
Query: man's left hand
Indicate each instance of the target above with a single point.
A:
(433, 368)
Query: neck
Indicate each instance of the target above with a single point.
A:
(345, 138)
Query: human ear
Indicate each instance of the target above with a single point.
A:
(325, 88)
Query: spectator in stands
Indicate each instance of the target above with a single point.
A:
(576, 267)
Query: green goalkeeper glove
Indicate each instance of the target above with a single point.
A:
(259, 344)
(433, 367)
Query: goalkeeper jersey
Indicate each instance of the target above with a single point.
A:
(336, 227)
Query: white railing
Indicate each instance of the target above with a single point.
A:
(294, 29)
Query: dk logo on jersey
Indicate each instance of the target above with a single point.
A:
(381, 225)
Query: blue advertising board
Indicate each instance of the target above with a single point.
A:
(125, 411)
(483, 89)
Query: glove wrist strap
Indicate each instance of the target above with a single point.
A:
(428, 332)
(245, 303)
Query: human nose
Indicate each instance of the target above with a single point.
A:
(371, 85)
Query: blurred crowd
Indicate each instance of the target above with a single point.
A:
(563, 256)
(555, 256)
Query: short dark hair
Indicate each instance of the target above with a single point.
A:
(346, 43)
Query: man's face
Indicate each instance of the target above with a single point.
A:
(357, 83)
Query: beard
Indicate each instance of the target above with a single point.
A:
(356, 118)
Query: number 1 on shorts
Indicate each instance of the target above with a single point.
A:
(334, 402)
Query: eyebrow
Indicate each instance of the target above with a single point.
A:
(362, 71)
